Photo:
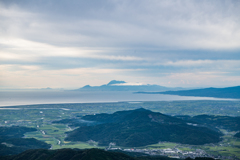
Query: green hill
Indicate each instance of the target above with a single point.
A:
(12, 143)
(212, 121)
(141, 127)
(15, 131)
(237, 135)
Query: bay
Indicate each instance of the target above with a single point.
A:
(13, 98)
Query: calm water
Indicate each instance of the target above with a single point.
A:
(12, 98)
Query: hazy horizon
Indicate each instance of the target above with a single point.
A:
(71, 97)
(127, 84)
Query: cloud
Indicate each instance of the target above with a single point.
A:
(129, 84)
(138, 24)
(20, 49)
(204, 79)
(204, 63)
(148, 41)
(33, 76)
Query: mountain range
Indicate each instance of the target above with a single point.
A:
(229, 92)
(115, 85)
(141, 127)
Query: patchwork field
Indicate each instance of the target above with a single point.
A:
(42, 116)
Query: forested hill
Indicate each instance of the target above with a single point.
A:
(237, 135)
(141, 127)
(213, 121)
(11, 141)
(229, 92)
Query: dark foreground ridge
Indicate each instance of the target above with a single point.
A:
(76, 154)
(141, 127)
(229, 92)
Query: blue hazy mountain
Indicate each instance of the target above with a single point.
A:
(229, 92)
(115, 85)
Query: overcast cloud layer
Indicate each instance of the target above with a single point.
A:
(69, 44)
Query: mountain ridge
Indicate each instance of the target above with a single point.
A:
(228, 92)
(116, 85)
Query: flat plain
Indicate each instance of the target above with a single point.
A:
(42, 116)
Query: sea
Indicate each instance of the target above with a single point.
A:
(28, 97)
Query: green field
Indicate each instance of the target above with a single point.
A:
(54, 134)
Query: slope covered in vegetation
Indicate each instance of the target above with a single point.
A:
(12, 143)
(141, 127)
(212, 121)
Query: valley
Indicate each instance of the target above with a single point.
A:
(41, 117)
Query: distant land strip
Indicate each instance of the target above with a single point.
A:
(229, 92)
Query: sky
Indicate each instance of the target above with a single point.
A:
(70, 44)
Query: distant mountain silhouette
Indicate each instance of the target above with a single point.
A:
(229, 92)
(115, 85)
(115, 82)
(141, 127)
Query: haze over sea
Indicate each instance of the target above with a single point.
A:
(13, 98)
